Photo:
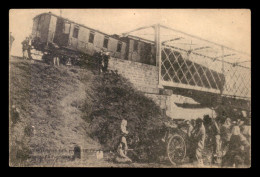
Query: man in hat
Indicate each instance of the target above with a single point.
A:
(106, 58)
(198, 136)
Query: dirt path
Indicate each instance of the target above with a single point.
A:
(74, 129)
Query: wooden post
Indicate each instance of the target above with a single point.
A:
(158, 53)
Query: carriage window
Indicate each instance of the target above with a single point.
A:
(135, 45)
(66, 28)
(76, 32)
(91, 37)
(119, 47)
(105, 44)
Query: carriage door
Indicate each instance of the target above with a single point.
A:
(62, 32)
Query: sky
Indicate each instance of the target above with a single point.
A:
(228, 27)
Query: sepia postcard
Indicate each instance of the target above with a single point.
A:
(149, 88)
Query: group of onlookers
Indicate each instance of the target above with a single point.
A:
(101, 57)
(229, 140)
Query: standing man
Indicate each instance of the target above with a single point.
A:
(55, 54)
(225, 132)
(29, 47)
(11, 40)
(198, 136)
(216, 141)
(189, 127)
(106, 58)
(189, 138)
(99, 57)
(25, 45)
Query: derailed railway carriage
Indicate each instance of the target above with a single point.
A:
(202, 76)
(71, 39)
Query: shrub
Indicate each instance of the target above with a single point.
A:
(117, 100)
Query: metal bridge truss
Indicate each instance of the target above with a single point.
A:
(189, 62)
(178, 71)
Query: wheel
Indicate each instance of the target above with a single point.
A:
(176, 149)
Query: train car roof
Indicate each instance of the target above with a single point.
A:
(49, 13)
(140, 39)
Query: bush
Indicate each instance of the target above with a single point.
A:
(117, 100)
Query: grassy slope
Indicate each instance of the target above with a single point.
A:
(54, 101)
(48, 99)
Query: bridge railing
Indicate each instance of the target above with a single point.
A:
(199, 73)
(190, 62)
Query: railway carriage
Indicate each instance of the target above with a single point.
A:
(71, 39)
(140, 50)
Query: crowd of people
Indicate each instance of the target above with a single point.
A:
(230, 141)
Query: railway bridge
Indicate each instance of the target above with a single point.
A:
(190, 72)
